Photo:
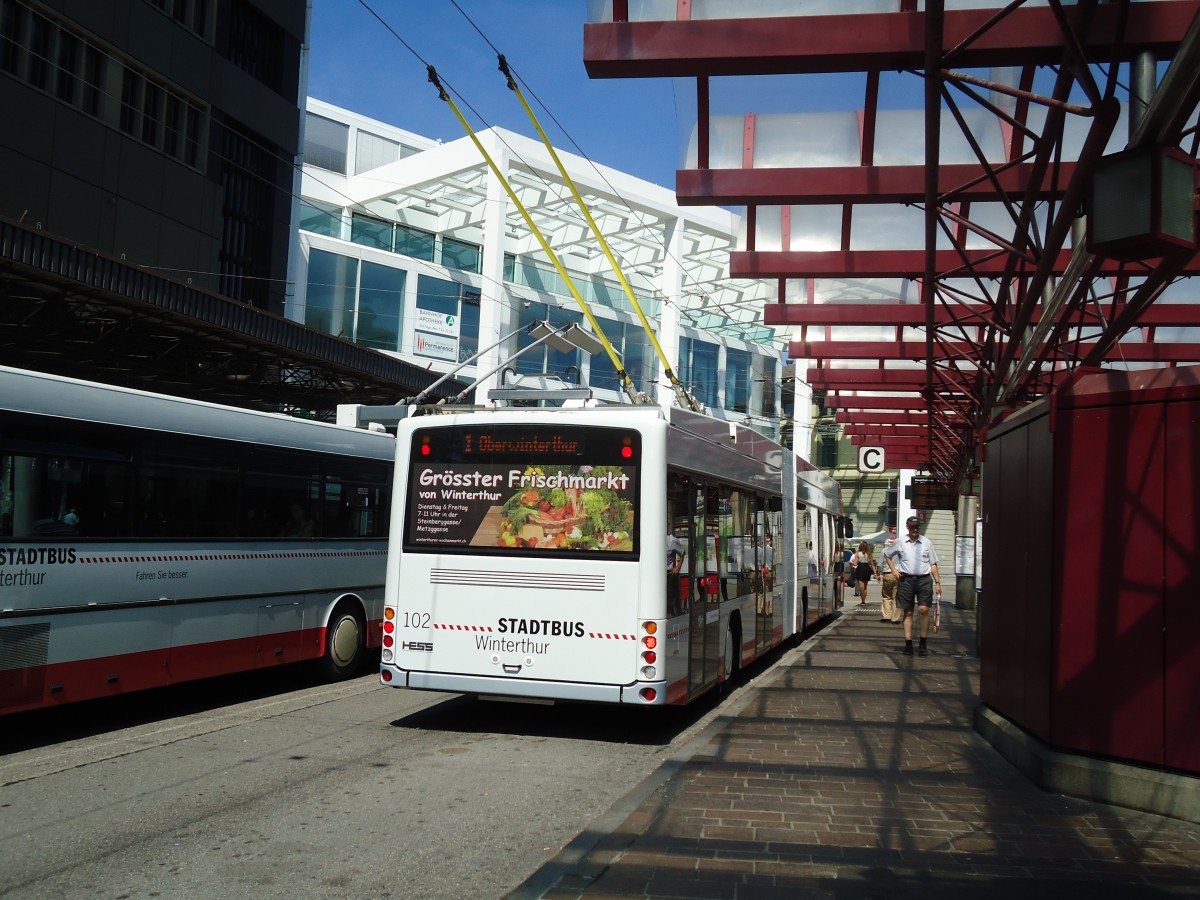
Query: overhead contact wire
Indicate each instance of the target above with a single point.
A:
(623, 376)
(685, 398)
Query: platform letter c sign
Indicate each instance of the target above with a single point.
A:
(870, 460)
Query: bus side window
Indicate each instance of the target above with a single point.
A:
(63, 497)
(355, 504)
(676, 545)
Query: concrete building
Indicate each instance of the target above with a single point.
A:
(149, 153)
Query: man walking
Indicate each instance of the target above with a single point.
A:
(889, 609)
(913, 561)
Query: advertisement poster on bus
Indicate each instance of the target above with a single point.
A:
(579, 508)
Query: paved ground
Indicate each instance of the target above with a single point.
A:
(852, 771)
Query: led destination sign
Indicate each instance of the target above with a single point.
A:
(556, 445)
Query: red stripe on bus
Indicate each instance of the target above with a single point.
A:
(109, 676)
(677, 691)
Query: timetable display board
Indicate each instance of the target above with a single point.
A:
(930, 493)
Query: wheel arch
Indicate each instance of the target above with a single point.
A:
(347, 635)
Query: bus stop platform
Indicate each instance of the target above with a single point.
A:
(849, 770)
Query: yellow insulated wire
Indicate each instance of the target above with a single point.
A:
(681, 392)
(626, 383)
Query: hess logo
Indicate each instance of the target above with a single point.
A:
(426, 646)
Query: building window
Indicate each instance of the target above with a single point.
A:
(41, 34)
(380, 307)
(372, 151)
(698, 369)
(47, 55)
(248, 186)
(329, 298)
(593, 288)
(325, 143)
(827, 451)
(415, 243)
(629, 340)
(320, 218)
(768, 407)
(370, 232)
(737, 380)
(544, 359)
(408, 241)
(447, 325)
(256, 44)
(468, 326)
(67, 70)
(12, 28)
(191, 14)
(460, 255)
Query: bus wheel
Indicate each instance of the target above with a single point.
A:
(345, 642)
(733, 647)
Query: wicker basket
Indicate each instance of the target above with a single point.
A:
(552, 525)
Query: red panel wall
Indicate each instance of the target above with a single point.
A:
(1181, 587)
(1090, 610)
(1042, 551)
(1109, 507)
(1014, 608)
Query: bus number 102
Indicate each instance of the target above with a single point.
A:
(416, 620)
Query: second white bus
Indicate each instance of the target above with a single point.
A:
(614, 554)
(147, 540)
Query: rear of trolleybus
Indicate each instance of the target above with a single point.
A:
(523, 562)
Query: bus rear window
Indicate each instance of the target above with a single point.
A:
(524, 489)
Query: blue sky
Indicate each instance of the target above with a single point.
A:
(356, 63)
(636, 125)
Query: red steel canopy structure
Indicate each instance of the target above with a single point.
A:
(943, 264)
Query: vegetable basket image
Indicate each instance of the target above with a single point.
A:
(554, 524)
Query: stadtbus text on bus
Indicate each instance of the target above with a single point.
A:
(147, 540)
(613, 554)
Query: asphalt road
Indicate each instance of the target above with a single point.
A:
(267, 788)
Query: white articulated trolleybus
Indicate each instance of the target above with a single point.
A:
(148, 540)
(624, 554)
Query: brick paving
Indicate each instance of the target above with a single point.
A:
(852, 771)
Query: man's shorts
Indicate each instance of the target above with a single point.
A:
(914, 590)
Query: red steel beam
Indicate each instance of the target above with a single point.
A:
(849, 184)
(893, 462)
(899, 445)
(916, 404)
(912, 315)
(888, 380)
(869, 41)
(913, 350)
(882, 418)
(891, 442)
(894, 430)
(909, 315)
(920, 448)
(991, 263)
(897, 380)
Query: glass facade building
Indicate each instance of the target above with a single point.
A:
(417, 266)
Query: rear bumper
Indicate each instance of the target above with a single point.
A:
(526, 688)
